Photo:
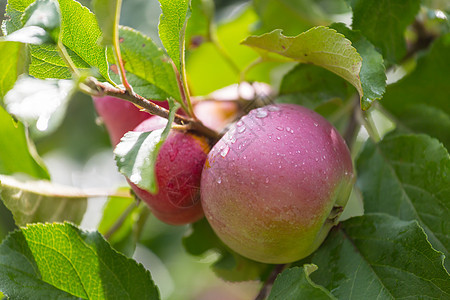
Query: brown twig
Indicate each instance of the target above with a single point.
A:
(189, 124)
(269, 282)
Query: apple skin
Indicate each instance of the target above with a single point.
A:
(178, 171)
(120, 116)
(275, 183)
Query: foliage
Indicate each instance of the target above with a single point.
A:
(384, 68)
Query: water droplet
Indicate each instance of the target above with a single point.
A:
(225, 151)
(278, 138)
(135, 178)
(273, 108)
(261, 113)
(267, 179)
(315, 124)
(241, 129)
(239, 123)
(280, 128)
(219, 180)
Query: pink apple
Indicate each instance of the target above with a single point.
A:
(275, 183)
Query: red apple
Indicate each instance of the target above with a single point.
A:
(178, 171)
(275, 183)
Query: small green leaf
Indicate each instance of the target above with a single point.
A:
(172, 28)
(137, 152)
(321, 46)
(294, 283)
(408, 176)
(41, 201)
(79, 34)
(391, 16)
(148, 68)
(17, 155)
(59, 261)
(198, 29)
(419, 102)
(39, 103)
(377, 256)
(108, 15)
(14, 62)
(373, 72)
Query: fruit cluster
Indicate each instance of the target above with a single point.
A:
(271, 188)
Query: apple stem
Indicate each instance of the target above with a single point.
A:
(269, 282)
(99, 89)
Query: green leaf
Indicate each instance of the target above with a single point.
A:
(234, 267)
(201, 238)
(408, 176)
(108, 15)
(377, 256)
(312, 86)
(17, 154)
(148, 68)
(38, 103)
(294, 283)
(373, 72)
(172, 28)
(79, 34)
(198, 29)
(420, 101)
(14, 62)
(230, 266)
(392, 16)
(136, 154)
(41, 201)
(321, 46)
(59, 261)
(292, 17)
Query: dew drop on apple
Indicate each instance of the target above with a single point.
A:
(261, 113)
(225, 151)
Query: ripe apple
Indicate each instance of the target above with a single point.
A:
(276, 182)
(120, 116)
(178, 171)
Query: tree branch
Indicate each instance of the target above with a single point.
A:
(101, 89)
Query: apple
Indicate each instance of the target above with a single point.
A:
(178, 171)
(276, 182)
(120, 116)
